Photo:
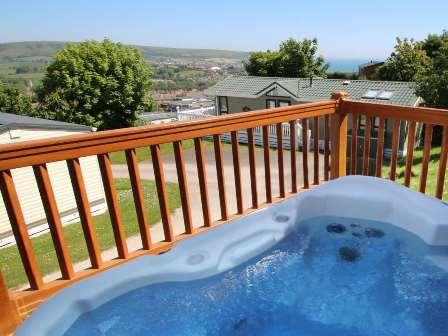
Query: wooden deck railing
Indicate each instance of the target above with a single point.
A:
(409, 119)
(37, 154)
(333, 113)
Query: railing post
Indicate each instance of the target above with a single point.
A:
(338, 137)
(9, 315)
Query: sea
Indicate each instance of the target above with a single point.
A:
(346, 65)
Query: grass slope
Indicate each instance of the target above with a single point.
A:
(38, 50)
(11, 265)
(416, 172)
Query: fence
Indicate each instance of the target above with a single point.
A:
(334, 113)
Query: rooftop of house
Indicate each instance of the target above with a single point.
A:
(14, 121)
(307, 90)
(371, 63)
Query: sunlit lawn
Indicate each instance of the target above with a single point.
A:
(10, 262)
(416, 172)
(143, 153)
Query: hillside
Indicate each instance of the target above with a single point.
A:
(22, 64)
(17, 51)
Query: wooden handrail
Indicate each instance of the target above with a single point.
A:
(306, 183)
(220, 176)
(9, 315)
(402, 119)
(281, 168)
(137, 191)
(418, 114)
(29, 153)
(54, 220)
(335, 114)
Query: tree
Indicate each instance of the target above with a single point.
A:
(100, 84)
(293, 59)
(432, 85)
(12, 101)
(434, 43)
(406, 63)
(264, 63)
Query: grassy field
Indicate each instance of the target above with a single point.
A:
(416, 172)
(143, 153)
(10, 263)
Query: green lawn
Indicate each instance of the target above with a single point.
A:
(416, 171)
(143, 153)
(11, 265)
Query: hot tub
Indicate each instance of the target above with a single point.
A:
(355, 256)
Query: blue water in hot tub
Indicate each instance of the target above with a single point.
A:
(333, 276)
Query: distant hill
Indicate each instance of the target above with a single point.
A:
(39, 50)
(42, 51)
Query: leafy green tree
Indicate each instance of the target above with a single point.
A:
(432, 85)
(299, 58)
(434, 43)
(293, 59)
(100, 84)
(406, 63)
(12, 101)
(264, 63)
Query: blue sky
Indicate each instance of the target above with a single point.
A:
(345, 29)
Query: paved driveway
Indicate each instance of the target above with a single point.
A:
(146, 171)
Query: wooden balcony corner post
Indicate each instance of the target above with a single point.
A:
(9, 315)
(338, 137)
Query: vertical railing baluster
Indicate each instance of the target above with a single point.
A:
(252, 167)
(237, 171)
(409, 154)
(220, 176)
(380, 148)
(316, 150)
(183, 186)
(293, 148)
(366, 152)
(442, 164)
(395, 144)
(326, 147)
(79, 190)
(139, 198)
(54, 220)
(19, 229)
(354, 145)
(202, 176)
(306, 183)
(161, 192)
(426, 157)
(281, 168)
(267, 164)
(112, 204)
(9, 314)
